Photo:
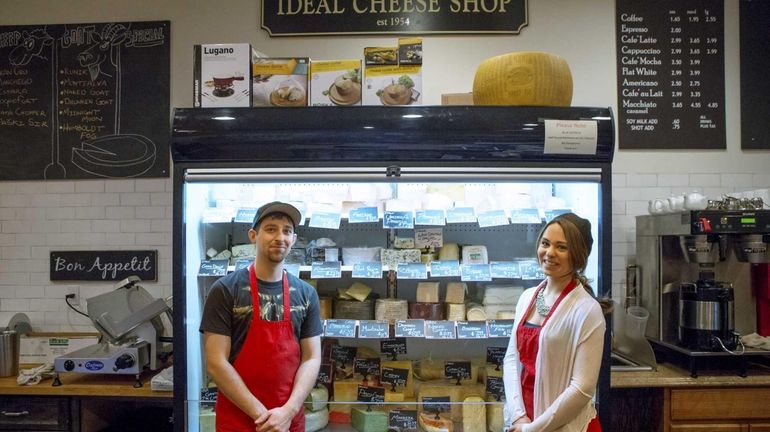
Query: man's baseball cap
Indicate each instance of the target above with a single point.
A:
(277, 207)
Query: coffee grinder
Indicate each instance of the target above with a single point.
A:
(705, 281)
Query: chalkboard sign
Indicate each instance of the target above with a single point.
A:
(410, 328)
(492, 218)
(500, 328)
(363, 215)
(671, 74)
(461, 215)
(504, 269)
(430, 217)
(458, 370)
(439, 329)
(325, 270)
(343, 354)
(398, 220)
(395, 377)
(367, 270)
(340, 328)
(325, 220)
(325, 374)
(435, 404)
(445, 268)
(242, 263)
(106, 265)
(402, 420)
(80, 101)
(471, 330)
(495, 355)
(393, 347)
(475, 272)
(412, 271)
(368, 367)
(209, 394)
(216, 267)
(373, 329)
(496, 388)
(370, 394)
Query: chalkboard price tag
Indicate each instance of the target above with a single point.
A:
(530, 269)
(471, 330)
(475, 272)
(245, 215)
(325, 373)
(371, 394)
(445, 268)
(328, 220)
(525, 216)
(504, 269)
(430, 217)
(209, 394)
(492, 218)
(458, 370)
(393, 347)
(436, 404)
(340, 328)
(292, 269)
(368, 367)
(495, 388)
(243, 263)
(439, 329)
(373, 329)
(326, 270)
(410, 328)
(343, 355)
(363, 215)
(500, 328)
(402, 420)
(367, 270)
(495, 355)
(461, 215)
(398, 220)
(213, 267)
(395, 377)
(412, 271)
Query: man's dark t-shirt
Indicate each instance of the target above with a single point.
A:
(228, 309)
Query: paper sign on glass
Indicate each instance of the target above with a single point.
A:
(570, 137)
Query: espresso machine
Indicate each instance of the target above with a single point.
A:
(704, 280)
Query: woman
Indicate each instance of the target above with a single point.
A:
(553, 358)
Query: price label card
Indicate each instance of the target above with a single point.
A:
(570, 137)
(461, 215)
(495, 355)
(325, 373)
(209, 394)
(373, 329)
(500, 328)
(393, 347)
(412, 271)
(439, 329)
(410, 328)
(343, 355)
(531, 270)
(471, 330)
(363, 215)
(525, 216)
(493, 218)
(436, 404)
(430, 217)
(552, 213)
(245, 215)
(326, 270)
(326, 220)
(213, 267)
(371, 394)
(340, 328)
(394, 377)
(505, 269)
(367, 270)
(475, 272)
(458, 370)
(398, 220)
(292, 269)
(445, 268)
(368, 367)
(402, 420)
(495, 388)
(243, 263)
(428, 237)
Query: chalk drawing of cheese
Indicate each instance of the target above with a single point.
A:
(124, 155)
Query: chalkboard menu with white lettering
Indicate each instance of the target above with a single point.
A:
(755, 63)
(81, 101)
(670, 68)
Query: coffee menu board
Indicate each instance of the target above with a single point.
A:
(670, 69)
(80, 101)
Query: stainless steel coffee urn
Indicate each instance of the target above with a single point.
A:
(707, 316)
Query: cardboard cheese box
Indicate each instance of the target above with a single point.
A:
(335, 83)
(280, 82)
(222, 75)
(393, 85)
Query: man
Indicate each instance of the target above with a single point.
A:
(261, 333)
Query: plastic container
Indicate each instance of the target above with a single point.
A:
(9, 353)
(636, 321)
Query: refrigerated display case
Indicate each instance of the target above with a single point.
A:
(369, 180)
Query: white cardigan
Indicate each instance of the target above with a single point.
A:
(567, 364)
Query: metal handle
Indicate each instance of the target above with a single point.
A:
(633, 285)
(15, 414)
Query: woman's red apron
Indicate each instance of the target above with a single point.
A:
(267, 363)
(527, 340)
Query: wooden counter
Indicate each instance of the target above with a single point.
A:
(75, 384)
(669, 375)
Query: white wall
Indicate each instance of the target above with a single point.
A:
(36, 217)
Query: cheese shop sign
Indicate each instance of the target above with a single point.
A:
(334, 17)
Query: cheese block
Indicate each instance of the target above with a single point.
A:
(433, 369)
(502, 294)
(432, 423)
(391, 257)
(316, 420)
(456, 394)
(449, 252)
(475, 312)
(358, 291)
(455, 292)
(455, 312)
(390, 310)
(475, 254)
(366, 352)
(317, 399)
(342, 293)
(325, 304)
(243, 250)
(401, 364)
(427, 292)
(495, 418)
(403, 243)
(474, 414)
(369, 421)
(391, 396)
(207, 419)
(500, 311)
(354, 309)
(344, 391)
(428, 311)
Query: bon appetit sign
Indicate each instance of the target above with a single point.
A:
(104, 265)
(336, 17)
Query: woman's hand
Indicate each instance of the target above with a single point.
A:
(519, 424)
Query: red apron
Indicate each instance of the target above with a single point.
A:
(527, 340)
(267, 363)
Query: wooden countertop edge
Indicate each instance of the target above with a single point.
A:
(74, 384)
(672, 376)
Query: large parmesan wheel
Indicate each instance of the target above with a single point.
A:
(523, 78)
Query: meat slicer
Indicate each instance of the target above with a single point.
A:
(132, 325)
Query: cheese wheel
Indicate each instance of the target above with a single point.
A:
(317, 399)
(474, 414)
(316, 420)
(354, 309)
(475, 312)
(523, 78)
(428, 311)
(475, 254)
(391, 310)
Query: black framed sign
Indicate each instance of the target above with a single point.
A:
(671, 74)
(340, 17)
(104, 265)
(755, 64)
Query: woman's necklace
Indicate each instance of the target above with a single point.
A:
(540, 306)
